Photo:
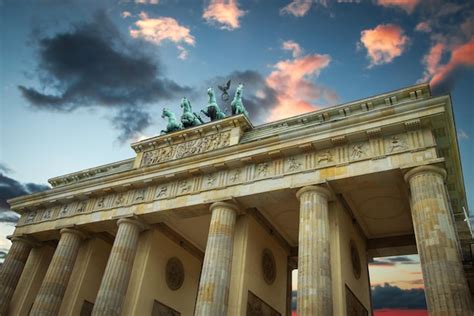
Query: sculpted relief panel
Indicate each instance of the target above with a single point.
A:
(322, 159)
(189, 148)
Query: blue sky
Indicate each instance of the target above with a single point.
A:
(81, 80)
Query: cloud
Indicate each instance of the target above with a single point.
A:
(293, 47)
(296, 92)
(225, 13)
(423, 27)
(432, 60)
(462, 57)
(11, 188)
(147, 1)
(297, 8)
(388, 296)
(383, 43)
(92, 65)
(402, 260)
(407, 5)
(463, 135)
(375, 262)
(157, 30)
(126, 14)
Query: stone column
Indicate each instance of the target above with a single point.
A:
(445, 283)
(119, 268)
(12, 268)
(213, 294)
(51, 293)
(314, 295)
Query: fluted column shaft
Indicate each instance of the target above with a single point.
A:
(11, 270)
(446, 287)
(314, 295)
(213, 294)
(51, 293)
(119, 268)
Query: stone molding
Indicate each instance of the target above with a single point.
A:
(316, 189)
(72, 231)
(322, 159)
(425, 169)
(225, 205)
(134, 221)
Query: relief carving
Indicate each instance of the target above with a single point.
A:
(48, 213)
(140, 195)
(262, 169)
(161, 192)
(397, 144)
(174, 273)
(357, 151)
(325, 157)
(235, 177)
(31, 217)
(120, 200)
(205, 144)
(184, 186)
(81, 207)
(294, 164)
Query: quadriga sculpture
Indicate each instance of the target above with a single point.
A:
(172, 124)
(212, 110)
(236, 104)
(189, 118)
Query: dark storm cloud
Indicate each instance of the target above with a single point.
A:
(92, 65)
(402, 260)
(375, 262)
(258, 97)
(388, 296)
(11, 188)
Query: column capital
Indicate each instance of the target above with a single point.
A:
(73, 231)
(132, 220)
(30, 241)
(425, 169)
(316, 189)
(226, 205)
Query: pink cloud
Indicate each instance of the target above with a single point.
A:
(407, 5)
(297, 7)
(383, 43)
(157, 30)
(423, 27)
(126, 14)
(432, 60)
(461, 56)
(293, 47)
(291, 79)
(224, 12)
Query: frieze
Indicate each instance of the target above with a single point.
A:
(186, 149)
(303, 162)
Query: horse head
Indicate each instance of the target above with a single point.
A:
(238, 92)
(165, 113)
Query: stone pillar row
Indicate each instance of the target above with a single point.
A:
(446, 289)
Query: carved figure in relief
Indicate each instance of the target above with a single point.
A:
(64, 210)
(357, 151)
(211, 179)
(212, 110)
(262, 169)
(236, 104)
(81, 207)
(172, 124)
(31, 217)
(48, 213)
(120, 199)
(189, 118)
(235, 176)
(397, 144)
(184, 186)
(162, 191)
(293, 164)
(325, 157)
(140, 196)
(101, 202)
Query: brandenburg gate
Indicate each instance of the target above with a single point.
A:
(212, 219)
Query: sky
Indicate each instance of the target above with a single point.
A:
(81, 80)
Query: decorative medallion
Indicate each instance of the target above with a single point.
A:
(268, 266)
(174, 273)
(355, 259)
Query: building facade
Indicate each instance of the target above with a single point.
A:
(211, 220)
